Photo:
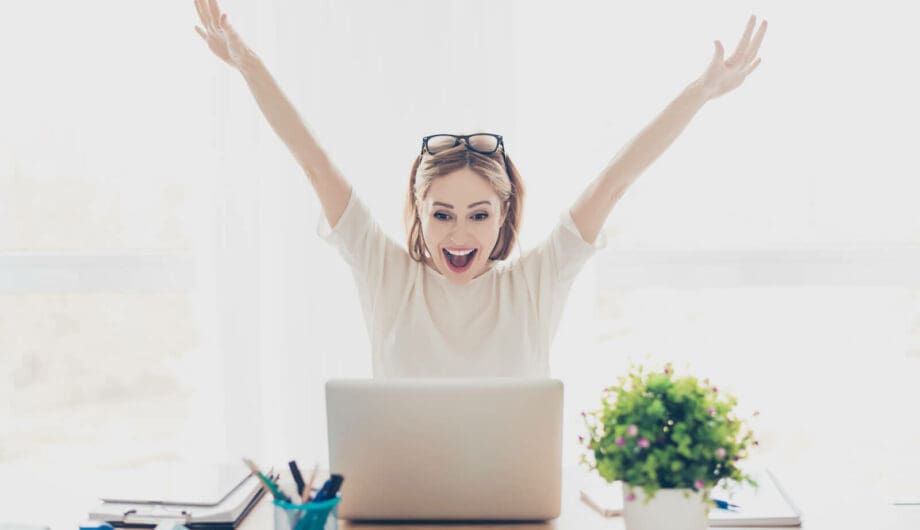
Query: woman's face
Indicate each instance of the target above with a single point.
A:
(461, 216)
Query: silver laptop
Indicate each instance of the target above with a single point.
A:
(446, 449)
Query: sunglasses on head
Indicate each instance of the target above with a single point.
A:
(485, 143)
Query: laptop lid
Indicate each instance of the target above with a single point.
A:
(447, 449)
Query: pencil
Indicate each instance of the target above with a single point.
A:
(272, 487)
(307, 491)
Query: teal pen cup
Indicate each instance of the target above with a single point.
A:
(311, 516)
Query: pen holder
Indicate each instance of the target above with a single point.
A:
(311, 516)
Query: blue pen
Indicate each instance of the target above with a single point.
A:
(725, 505)
(316, 520)
(330, 488)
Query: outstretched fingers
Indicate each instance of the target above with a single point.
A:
(721, 76)
(742, 47)
(215, 13)
(203, 15)
(755, 46)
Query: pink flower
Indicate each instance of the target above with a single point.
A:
(711, 411)
(643, 442)
(620, 441)
(581, 439)
(667, 370)
(698, 484)
(720, 453)
(632, 430)
(630, 497)
(715, 389)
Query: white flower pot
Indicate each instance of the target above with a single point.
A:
(669, 509)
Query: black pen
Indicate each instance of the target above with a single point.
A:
(295, 471)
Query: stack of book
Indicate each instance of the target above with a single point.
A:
(198, 497)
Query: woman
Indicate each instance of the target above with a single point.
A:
(443, 307)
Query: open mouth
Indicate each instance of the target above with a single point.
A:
(459, 262)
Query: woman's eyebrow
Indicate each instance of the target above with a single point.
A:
(451, 206)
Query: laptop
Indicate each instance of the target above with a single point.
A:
(446, 449)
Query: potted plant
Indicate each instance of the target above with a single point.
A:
(670, 440)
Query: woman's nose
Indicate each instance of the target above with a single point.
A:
(458, 236)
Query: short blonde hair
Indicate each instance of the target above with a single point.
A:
(507, 185)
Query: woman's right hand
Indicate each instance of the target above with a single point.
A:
(333, 190)
(220, 36)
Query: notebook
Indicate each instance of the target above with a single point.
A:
(767, 505)
(225, 515)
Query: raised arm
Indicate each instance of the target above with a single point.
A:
(591, 209)
(330, 186)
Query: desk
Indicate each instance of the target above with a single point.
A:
(827, 506)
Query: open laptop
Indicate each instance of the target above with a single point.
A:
(447, 449)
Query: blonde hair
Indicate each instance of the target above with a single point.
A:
(507, 185)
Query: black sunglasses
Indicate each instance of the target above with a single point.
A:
(485, 143)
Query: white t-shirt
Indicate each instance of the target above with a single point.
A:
(421, 325)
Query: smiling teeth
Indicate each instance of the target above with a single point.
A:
(459, 252)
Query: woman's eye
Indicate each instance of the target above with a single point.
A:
(441, 216)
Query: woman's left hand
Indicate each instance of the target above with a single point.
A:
(724, 75)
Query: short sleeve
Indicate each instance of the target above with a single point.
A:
(349, 231)
(379, 265)
(552, 266)
(570, 251)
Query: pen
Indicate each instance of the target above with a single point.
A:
(725, 505)
(270, 484)
(295, 471)
(329, 489)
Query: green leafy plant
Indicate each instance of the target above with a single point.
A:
(656, 430)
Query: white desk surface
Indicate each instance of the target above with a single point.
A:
(826, 504)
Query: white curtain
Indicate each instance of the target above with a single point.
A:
(278, 304)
